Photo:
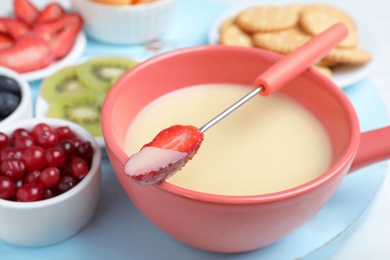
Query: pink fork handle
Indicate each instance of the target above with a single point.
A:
(299, 60)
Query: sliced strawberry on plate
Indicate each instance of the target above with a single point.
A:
(28, 53)
(16, 28)
(3, 29)
(166, 154)
(25, 11)
(5, 41)
(51, 12)
(61, 33)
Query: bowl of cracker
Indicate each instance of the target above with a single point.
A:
(283, 29)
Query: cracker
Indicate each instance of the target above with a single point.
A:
(330, 10)
(284, 41)
(226, 23)
(315, 22)
(232, 35)
(326, 63)
(323, 70)
(267, 19)
(349, 56)
(284, 29)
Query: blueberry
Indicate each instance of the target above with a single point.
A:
(10, 85)
(8, 103)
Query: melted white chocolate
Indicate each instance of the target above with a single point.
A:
(267, 145)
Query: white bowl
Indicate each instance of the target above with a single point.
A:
(128, 24)
(45, 222)
(25, 108)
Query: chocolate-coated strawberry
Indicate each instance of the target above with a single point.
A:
(166, 154)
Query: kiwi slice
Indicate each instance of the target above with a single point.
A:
(80, 106)
(63, 81)
(99, 73)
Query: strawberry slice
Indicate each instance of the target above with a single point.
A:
(61, 33)
(179, 138)
(5, 41)
(29, 52)
(51, 12)
(3, 29)
(25, 11)
(166, 154)
(16, 28)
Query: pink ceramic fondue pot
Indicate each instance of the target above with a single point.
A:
(221, 223)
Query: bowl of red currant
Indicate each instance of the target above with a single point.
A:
(15, 97)
(49, 180)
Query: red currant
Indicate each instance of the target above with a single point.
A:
(13, 168)
(68, 148)
(39, 128)
(22, 142)
(29, 192)
(48, 194)
(20, 132)
(55, 157)
(34, 158)
(7, 187)
(47, 138)
(66, 183)
(78, 168)
(64, 132)
(31, 177)
(85, 151)
(10, 153)
(65, 169)
(49, 177)
(76, 142)
(4, 141)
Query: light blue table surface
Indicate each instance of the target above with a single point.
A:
(119, 231)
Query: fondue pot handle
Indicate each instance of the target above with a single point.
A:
(299, 60)
(374, 147)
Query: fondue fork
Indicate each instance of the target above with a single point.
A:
(288, 67)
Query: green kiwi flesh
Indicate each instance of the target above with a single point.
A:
(63, 81)
(99, 73)
(82, 107)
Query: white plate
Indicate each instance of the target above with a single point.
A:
(6, 9)
(74, 54)
(343, 76)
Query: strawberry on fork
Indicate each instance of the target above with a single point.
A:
(171, 149)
